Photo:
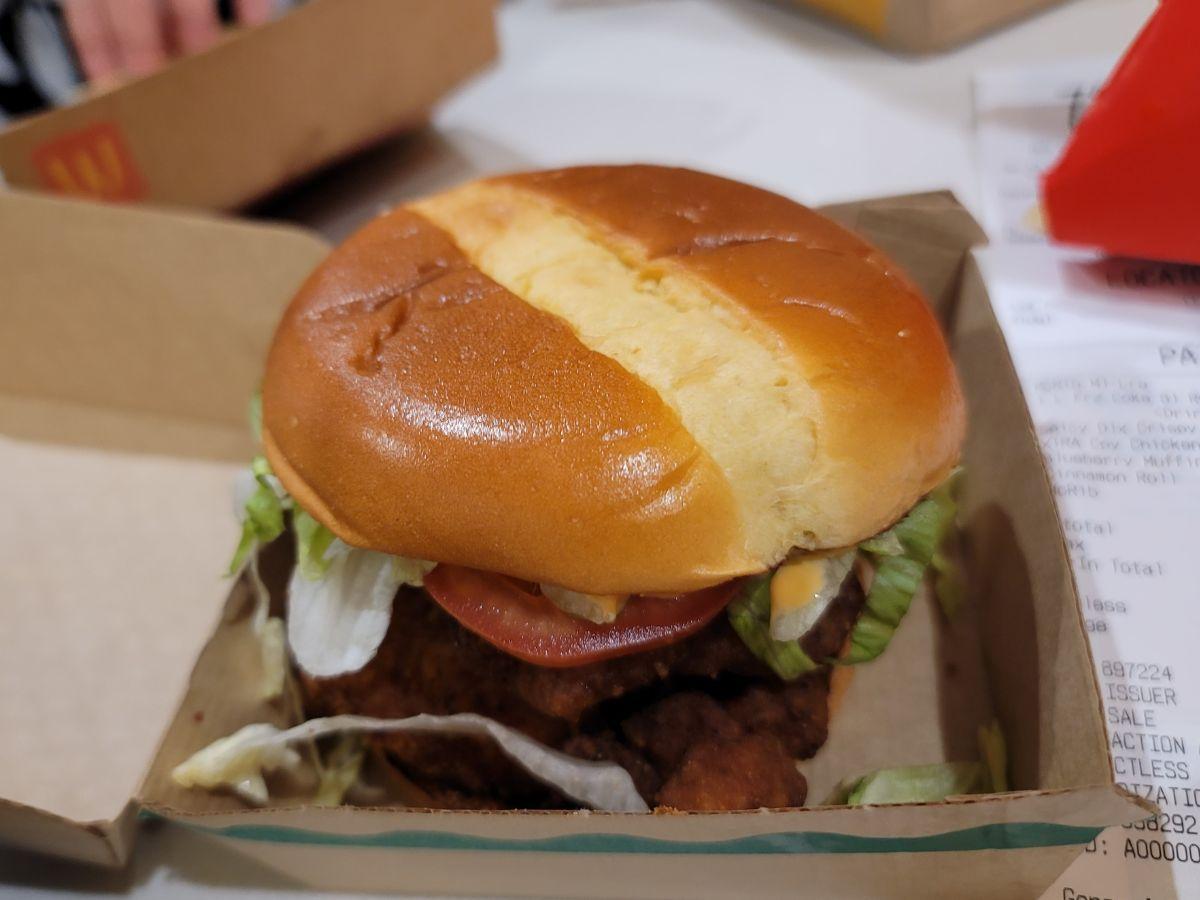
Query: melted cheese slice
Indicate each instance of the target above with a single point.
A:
(802, 590)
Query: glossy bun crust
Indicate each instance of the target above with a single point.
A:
(617, 379)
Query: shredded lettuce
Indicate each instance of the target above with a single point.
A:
(750, 616)
(239, 762)
(883, 544)
(340, 770)
(340, 599)
(337, 622)
(313, 541)
(260, 510)
(902, 555)
(896, 581)
(272, 643)
(260, 502)
(911, 784)
(411, 571)
(317, 547)
(934, 782)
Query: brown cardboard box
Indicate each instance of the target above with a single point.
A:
(923, 26)
(135, 338)
(263, 107)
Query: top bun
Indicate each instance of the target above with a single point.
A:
(618, 379)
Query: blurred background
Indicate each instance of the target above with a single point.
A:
(823, 100)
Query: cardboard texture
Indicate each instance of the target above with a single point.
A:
(265, 106)
(126, 357)
(924, 26)
(119, 462)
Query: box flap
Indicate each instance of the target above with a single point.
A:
(990, 849)
(263, 107)
(929, 234)
(132, 341)
(1035, 650)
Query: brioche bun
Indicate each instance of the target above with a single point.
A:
(617, 379)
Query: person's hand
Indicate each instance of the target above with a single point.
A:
(118, 38)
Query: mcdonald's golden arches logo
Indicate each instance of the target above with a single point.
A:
(93, 162)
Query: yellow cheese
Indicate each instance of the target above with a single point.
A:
(599, 608)
(803, 589)
(797, 584)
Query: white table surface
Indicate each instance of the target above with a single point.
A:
(747, 89)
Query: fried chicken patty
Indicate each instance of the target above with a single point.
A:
(699, 725)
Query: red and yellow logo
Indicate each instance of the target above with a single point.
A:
(93, 162)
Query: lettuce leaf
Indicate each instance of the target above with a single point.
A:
(902, 555)
(340, 770)
(896, 581)
(911, 784)
(239, 761)
(340, 598)
(272, 641)
(411, 571)
(260, 502)
(336, 623)
(750, 616)
(931, 783)
(260, 511)
(313, 541)
(883, 544)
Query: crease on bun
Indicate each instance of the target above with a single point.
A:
(806, 365)
(617, 379)
(733, 384)
(416, 407)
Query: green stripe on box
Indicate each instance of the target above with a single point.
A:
(1008, 836)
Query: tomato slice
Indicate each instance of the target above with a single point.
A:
(510, 615)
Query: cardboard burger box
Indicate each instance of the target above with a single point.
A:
(132, 340)
(925, 26)
(222, 128)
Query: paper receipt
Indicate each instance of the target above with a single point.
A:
(1108, 352)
